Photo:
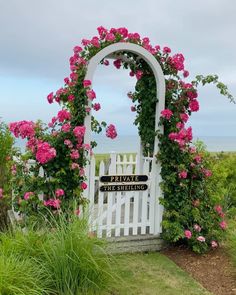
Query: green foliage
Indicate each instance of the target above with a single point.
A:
(222, 184)
(61, 257)
(6, 151)
(231, 240)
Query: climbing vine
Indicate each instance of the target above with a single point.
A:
(191, 215)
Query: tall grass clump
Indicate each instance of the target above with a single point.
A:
(76, 261)
(21, 276)
(72, 261)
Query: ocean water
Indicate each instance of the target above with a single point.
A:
(126, 143)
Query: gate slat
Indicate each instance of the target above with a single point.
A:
(118, 207)
(100, 201)
(144, 202)
(127, 205)
(110, 195)
(91, 193)
(136, 206)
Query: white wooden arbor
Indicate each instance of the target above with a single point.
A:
(155, 209)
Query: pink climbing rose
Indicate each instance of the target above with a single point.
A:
(79, 131)
(23, 129)
(83, 185)
(184, 117)
(45, 152)
(27, 195)
(55, 203)
(91, 94)
(87, 83)
(186, 74)
(111, 131)
(223, 225)
(218, 209)
(214, 244)
(167, 114)
(63, 115)
(110, 37)
(66, 127)
(194, 105)
(197, 227)
(166, 49)
(1, 193)
(97, 106)
(183, 174)
(50, 97)
(117, 63)
(188, 234)
(201, 239)
(139, 74)
(59, 192)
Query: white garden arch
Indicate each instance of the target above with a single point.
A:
(155, 209)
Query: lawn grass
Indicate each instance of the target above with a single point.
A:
(153, 274)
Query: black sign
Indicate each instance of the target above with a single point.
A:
(123, 187)
(124, 178)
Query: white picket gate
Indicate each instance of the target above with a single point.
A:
(121, 213)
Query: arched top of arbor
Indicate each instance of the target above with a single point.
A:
(149, 59)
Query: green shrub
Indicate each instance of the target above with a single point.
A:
(6, 147)
(222, 184)
(231, 240)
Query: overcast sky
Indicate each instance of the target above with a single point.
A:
(37, 38)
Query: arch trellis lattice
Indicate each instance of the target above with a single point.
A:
(160, 105)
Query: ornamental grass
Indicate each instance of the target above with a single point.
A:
(60, 258)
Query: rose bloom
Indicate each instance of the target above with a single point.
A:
(63, 115)
(183, 174)
(27, 195)
(79, 131)
(201, 239)
(91, 94)
(166, 114)
(186, 74)
(74, 166)
(223, 224)
(97, 106)
(198, 159)
(66, 127)
(59, 192)
(111, 131)
(214, 244)
(1, 193)
(74, 154)
(71, 97)
(187, 234)
(83, 185)
(139, 74)
(45, 152)
(50, 97)
(87, 83)
(218, 209)
(133, 109)
(197, 227)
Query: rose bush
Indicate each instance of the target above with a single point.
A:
(60, 148)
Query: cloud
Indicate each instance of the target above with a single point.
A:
(37, 38)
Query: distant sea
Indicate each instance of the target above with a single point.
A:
(125, 143)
